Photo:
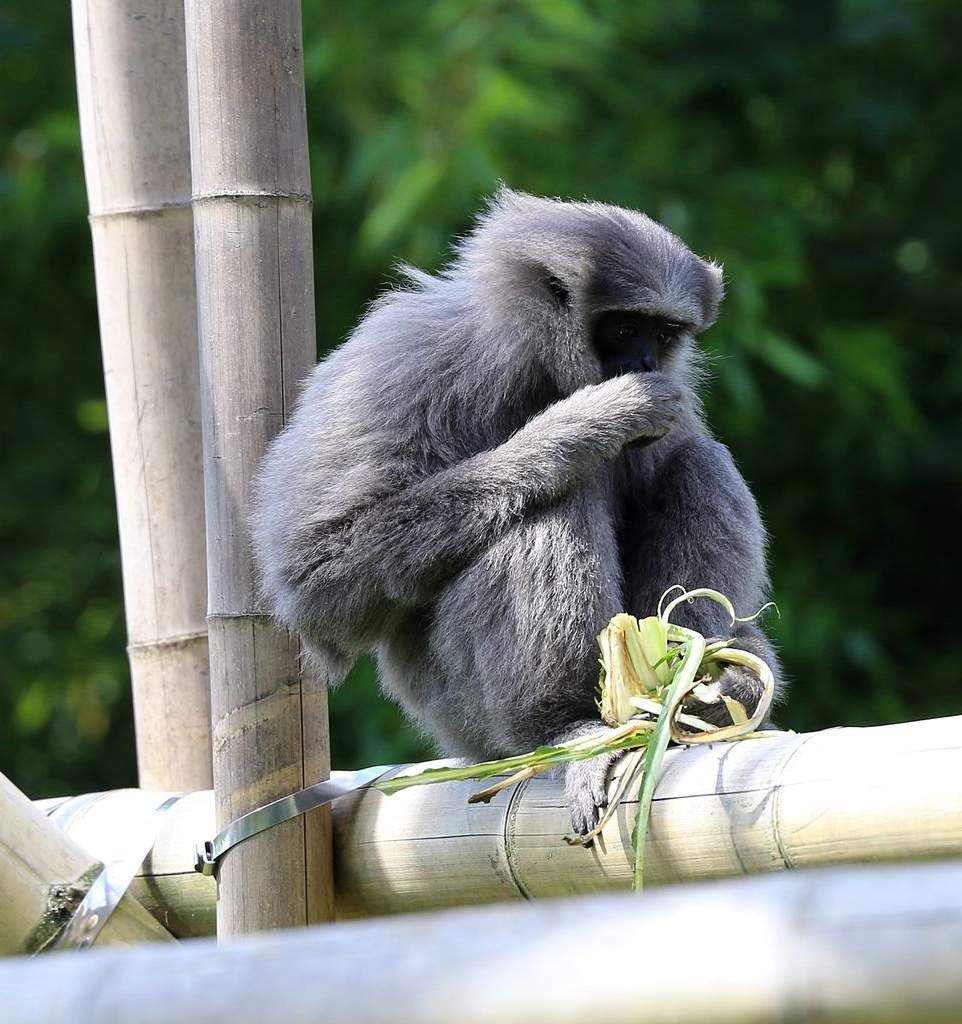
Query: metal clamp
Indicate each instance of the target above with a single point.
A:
(209, 853)
(108, 888)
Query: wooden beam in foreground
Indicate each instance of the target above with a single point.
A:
(840, 796)
(132, 94)
(44, 875)
(867, 944)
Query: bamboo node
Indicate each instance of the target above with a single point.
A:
(253, 196)
(146, 210)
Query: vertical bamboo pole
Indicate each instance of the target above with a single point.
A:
(132, 90)
(252, 225)
(43, 877)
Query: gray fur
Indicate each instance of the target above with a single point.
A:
(454, 490)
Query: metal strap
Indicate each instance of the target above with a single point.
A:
(209, 853)
(108, 888)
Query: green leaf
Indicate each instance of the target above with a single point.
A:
(397, 210)
(658, 743)
(790, 360)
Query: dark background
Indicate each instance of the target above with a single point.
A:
(812, 148)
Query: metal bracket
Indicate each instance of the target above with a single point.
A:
(207, 855)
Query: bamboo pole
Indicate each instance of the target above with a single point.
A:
(252, 224)
(43, 877)
(867, 945)
(842, 796)
(132, 92)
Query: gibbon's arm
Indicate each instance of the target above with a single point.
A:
(405, 544)
(704, 530)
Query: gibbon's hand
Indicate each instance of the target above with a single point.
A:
(643, 406)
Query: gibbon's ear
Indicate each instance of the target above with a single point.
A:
(557, 288)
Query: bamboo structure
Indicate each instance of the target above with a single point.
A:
(842, 796)
(252, 224)
(866, 945)
(43, 877)
(132, 91)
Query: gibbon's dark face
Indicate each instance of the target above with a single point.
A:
(630, 342)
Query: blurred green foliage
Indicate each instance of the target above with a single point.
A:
(812, 148)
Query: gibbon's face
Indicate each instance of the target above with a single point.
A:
(632, 342)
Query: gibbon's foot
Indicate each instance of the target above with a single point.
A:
(736, 682)
(586, 782)
(586, 790)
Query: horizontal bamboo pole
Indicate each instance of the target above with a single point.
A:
(44, 875)
(844, 795)
(866, 944)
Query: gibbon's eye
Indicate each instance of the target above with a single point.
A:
(667, 333)
(626, 330)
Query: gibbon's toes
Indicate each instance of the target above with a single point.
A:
(586, 791)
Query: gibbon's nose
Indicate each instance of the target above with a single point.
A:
(648, 360)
